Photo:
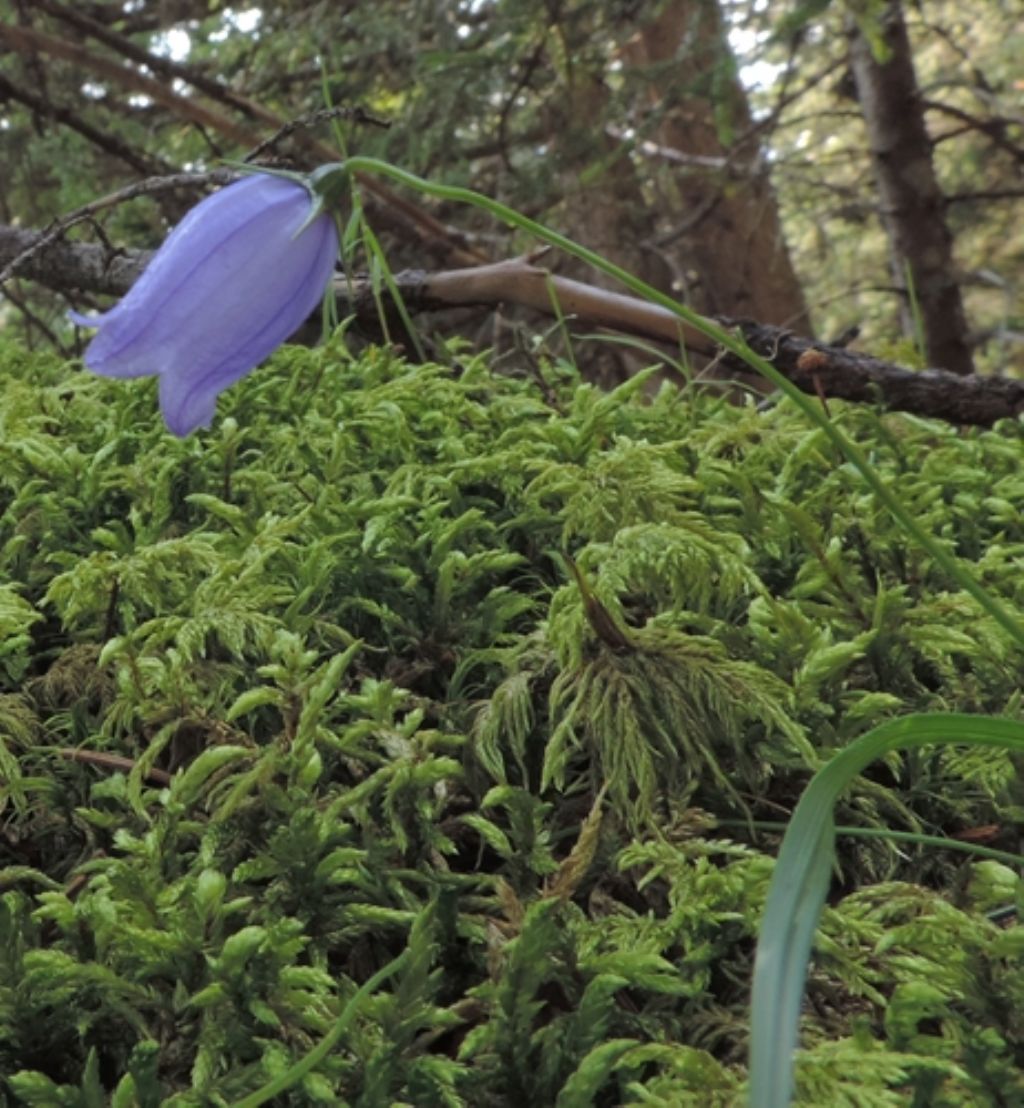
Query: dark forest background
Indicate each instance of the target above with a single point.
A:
(848, 171)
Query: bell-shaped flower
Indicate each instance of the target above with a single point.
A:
(232, 281)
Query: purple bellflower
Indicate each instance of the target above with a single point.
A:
(231, 282)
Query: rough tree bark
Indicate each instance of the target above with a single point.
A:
(730, 255)
(912, 203)
(730, 235)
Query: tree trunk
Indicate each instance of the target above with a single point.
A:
(728, 238)
(912, 204)
(602, 192)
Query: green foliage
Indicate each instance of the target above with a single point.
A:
(424, 659)
(800, 885)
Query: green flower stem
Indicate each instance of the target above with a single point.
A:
(731, 342)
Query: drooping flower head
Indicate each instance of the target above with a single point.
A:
(232, 281)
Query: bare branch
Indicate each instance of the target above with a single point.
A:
(34, 43)
(996, 129)
(817, 369)
(36, 243)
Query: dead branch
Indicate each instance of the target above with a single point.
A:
(815, 368)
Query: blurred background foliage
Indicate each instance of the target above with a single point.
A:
(715, 147)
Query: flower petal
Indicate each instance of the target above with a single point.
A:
(208, 266)
(275, 310)
(233, 280)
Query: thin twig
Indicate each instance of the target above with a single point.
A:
(311, 119)
(115, 762)
(140, 188)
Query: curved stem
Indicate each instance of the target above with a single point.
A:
(729, 341)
